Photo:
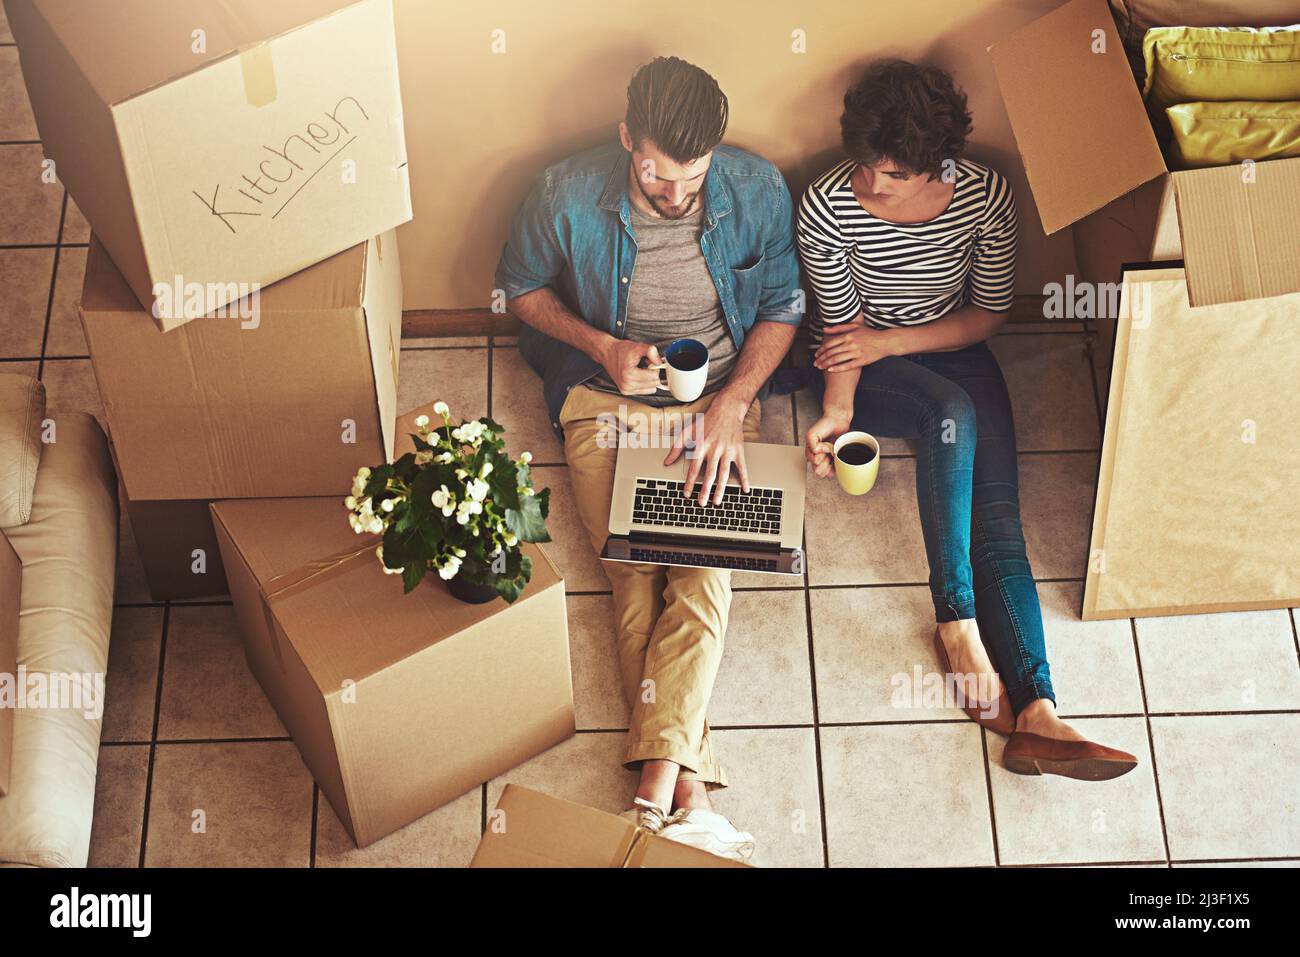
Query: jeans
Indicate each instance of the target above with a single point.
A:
(955, 404)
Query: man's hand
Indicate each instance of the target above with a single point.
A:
(851, 345)
(718, 441)
(622, 360)
(817, 442)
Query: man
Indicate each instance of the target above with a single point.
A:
(616, 252)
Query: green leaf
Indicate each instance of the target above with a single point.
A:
(528, 522)
(504, 483)
(411, 574)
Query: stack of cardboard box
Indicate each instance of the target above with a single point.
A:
(217, 148)
(243, 167)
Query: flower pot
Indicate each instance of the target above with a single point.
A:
(469, 592)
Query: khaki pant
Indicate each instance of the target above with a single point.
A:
(669, 621)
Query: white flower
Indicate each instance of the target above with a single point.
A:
(511, 540)
(367, 508)
(525, 457)
(350, 502)
(459, 552)
(444, 499)
(467, 508)
(444, 458)
(486, 470)
(355, 522)
(376, 526)
(388, 504)
(421, 421)
(440, 408)
(462, 474)
(525, 491)
(449, 567)
(477, 489)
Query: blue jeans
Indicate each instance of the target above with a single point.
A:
(955, 404)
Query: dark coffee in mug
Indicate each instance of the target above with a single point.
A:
(856, 453)
(688, 358)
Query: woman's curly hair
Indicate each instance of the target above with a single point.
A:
(913, 115)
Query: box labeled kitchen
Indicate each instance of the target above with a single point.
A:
(218, 147)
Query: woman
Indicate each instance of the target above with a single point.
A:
(910, 250)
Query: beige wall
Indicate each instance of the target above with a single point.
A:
(479, 125)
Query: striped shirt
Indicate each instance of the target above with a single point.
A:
(907, 274)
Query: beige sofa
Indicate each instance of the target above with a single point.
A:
(58, 512)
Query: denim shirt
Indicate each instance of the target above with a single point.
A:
(573, 233)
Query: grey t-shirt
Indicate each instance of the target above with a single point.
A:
(672, 296)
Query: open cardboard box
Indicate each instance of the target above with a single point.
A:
(531, 829)
(219, 142)
(1087, 144)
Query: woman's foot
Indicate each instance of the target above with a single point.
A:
(1044, 744)
(979, 687)
(1039, 717)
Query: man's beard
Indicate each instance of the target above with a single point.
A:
(672, 212)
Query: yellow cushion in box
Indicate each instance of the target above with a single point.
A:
(1189, 64)
(1217, 134)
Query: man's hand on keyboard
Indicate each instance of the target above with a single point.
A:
(715, 443)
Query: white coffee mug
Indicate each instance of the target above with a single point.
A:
(686, 364)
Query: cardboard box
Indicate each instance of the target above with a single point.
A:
(531, 829)
(11, 587)
(291, 403)
(1086, 140)
(1140, 227)
(398, 703)
(219, 143)
(1196, 508)
(178, 549)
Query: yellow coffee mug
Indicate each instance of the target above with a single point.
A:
(857, 477)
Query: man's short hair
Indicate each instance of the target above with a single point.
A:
(678, 107)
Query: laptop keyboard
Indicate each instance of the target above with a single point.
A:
(656, 556)
(660, 502)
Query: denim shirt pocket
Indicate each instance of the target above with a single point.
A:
(748, 285)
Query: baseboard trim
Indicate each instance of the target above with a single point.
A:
(449, 323)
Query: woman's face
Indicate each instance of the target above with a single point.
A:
(888, 184)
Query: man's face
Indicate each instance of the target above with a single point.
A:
(888, 184)
(671, 189)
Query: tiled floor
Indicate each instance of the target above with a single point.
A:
(824, 769)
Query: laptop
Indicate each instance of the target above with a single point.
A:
(756, 531)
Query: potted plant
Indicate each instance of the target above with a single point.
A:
(459, 505)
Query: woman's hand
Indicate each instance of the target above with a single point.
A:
(817, 442)
(852, 345)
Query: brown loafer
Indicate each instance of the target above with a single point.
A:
(1028, 753)
(1005, 720)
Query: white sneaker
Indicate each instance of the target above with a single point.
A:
(709, 831)
(646, 815)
